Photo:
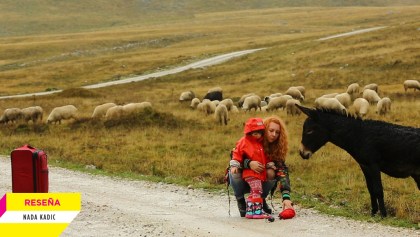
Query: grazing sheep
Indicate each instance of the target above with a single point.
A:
(234, 109)
(206, 106)
(264, 108)
(215, 102)
(295, 93)
(371, 96)
(330, 104)
(372, 86)
(300, 88)
(215, 93)
(132, 108)
(194, 103)
(411, 84)
(344, 98)
(11, 114)
(384, 106)
(186, 96)
(64, 112)
(263, 103)
(361, 107)
(242, 99)
(221, 114)
(115, 112)
(353, 90)
(291, 107)
(228, 103)
(252, 102)
(278, 102)
(33, 113)
(100, 110)
(268, 98)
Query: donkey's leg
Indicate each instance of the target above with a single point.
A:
(369, 183)
(374, 184)
(379, 191)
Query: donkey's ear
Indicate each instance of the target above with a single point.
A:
(309, 112)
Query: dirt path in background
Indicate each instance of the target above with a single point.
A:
(118, 207)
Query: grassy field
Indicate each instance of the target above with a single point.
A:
(173, 143)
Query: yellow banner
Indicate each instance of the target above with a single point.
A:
(37, 214)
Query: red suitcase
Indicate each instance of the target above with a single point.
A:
(29, 170)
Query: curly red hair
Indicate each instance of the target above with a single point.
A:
(276, 150)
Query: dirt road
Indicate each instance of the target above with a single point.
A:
(119, 207)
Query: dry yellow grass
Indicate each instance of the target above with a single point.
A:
(177, 144)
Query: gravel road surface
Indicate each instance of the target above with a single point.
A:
(120, 207)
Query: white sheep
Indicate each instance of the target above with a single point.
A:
(300, 88)
(291, 107)
(372, 86)
(215, 102)
(242, 99)
(252, 102)
(384, 106)
(278, 102)
(264, 108)
(206, 106)
(353, 90)
(361, 107)
(194, 103)
(411, 84)
(115, 112)
(132, 108)
(11, 114)
(344, 98)
(186, 96)
(330, 104)
(371, 96)
(228, 103)
(33, 113)
(268, 98)
(234, 109)
(62, 113)
(295, 93)
(221, 114)
(100, 110)
(263, 103)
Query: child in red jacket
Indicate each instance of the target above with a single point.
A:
(250, 147)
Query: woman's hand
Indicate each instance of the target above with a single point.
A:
(256, 166)
(234, 170)
(287, 204)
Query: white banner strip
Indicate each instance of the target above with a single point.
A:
(38, 216)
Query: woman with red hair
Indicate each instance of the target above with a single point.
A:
(275, 144)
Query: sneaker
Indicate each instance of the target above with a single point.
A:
(241, 206)
(266, 208)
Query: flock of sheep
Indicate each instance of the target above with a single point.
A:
(360, 98)
(35, 113)
(213, 103)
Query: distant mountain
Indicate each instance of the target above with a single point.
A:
(26, 17)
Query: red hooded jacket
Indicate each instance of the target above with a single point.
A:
(251, 148)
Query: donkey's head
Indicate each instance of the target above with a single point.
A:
(314, 135)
